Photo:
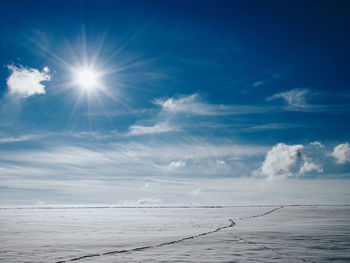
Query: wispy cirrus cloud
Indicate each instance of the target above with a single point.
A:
(299, 100)
(295, 99)
(271, 126)
(157, 128)
(141, 159)
(317, 143)
(6, 138)
(194, 104)
(187, 105)
(177, 164)
(258, 83)
(201, 191)
(21, 138)
(180, 172)
(25, 82)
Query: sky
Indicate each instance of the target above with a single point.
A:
(174, 102)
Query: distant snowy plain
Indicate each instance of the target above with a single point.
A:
(173, 234)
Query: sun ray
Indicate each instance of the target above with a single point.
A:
(99, 48)
(90, 76)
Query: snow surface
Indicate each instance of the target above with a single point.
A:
(193, 234)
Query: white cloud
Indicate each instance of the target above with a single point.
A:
(287, 160)
(220, 162)
(295, 99)
(25, 82)
(342, 153)
(213, 191)
(258, 83)
(17, 139)
(158, 128)
(177, 164)
(193, 104)
(130, 159)
(184, 104)
(317, 143)
(281, 159)
(299, 100)
(4, 138)
(309, 167)
(221, 165)
(271, 126)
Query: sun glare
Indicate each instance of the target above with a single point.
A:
(87, 79)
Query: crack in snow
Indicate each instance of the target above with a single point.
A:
(264, 246)
(232, 224)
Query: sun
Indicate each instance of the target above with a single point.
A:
(87, 79)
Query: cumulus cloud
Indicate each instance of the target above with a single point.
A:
(25, 82)
(309, 167)
(287, 160)
(158, 128)
(342, 153)
(295, 98)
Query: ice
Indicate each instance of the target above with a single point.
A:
(192, 234)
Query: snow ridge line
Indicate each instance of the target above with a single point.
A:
(232, 224)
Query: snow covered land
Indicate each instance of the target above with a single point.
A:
(175, 234)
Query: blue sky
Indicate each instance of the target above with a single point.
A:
(187, 102)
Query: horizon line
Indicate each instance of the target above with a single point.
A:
(163, 206)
